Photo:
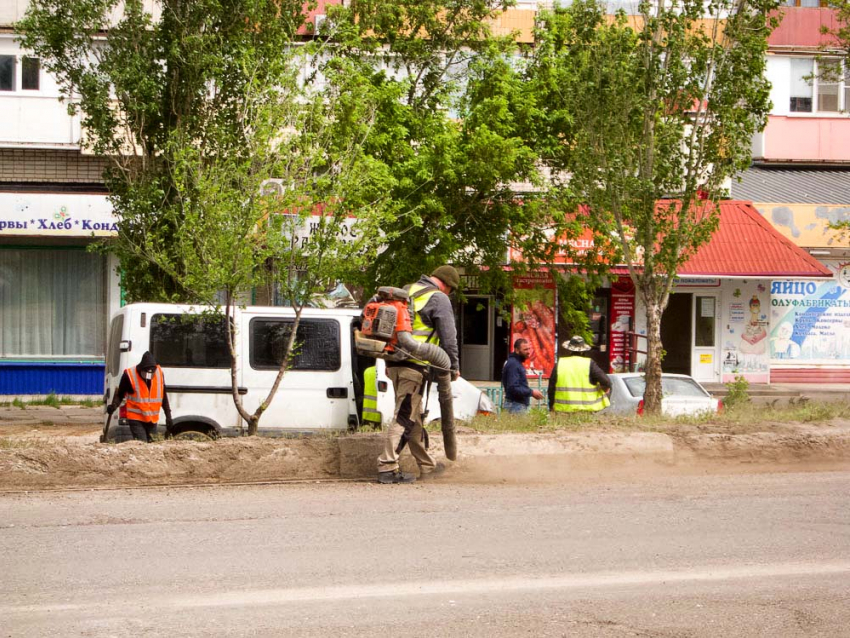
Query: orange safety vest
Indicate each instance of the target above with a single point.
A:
(144, 404)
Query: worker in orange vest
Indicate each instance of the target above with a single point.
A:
(144, 387)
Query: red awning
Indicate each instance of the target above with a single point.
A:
(746, 245)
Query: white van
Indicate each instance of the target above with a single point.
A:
(322, 390)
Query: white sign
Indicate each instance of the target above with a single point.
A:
(56, 214)
(696, 282)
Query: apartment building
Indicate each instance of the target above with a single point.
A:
(800, 183)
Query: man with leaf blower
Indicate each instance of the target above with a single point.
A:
(433, 323)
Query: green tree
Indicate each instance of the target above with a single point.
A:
(227, 170)
(647, 118)
(451, 126)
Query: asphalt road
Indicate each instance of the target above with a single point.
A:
(743, 555)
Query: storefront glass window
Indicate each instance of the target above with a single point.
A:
(52, 303)
(705, 311)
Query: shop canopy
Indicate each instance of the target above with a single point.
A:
(746, 245)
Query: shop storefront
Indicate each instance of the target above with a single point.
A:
(55, 295)
(725, 315)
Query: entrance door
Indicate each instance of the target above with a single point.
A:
(705, 364)
(676, 334)
(476, 353)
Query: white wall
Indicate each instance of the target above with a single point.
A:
(779, 74)
(34, 118)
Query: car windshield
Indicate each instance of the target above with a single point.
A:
(670, 386)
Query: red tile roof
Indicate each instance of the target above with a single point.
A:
(745, 244)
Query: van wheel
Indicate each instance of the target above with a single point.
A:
(193, 435)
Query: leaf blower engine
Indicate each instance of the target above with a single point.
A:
(386, 331)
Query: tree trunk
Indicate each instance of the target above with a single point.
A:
(655, 352)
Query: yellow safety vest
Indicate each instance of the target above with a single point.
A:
(573, 390)
(422, 332)
(370, 395)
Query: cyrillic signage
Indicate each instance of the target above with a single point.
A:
(56, 214)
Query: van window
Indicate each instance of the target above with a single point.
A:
(317, 344)
(189, 341)
(114, 346)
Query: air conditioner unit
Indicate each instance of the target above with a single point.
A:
(318, 22)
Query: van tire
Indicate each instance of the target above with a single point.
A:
(194, 432)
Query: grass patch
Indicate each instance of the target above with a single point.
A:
(51, 401)
(20, 443)
(741, 418)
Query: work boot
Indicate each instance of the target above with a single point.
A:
(396, 476)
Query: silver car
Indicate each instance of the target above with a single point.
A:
(681, 395)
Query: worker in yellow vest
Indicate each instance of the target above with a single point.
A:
(371, 415)
(144, 388)
(576, 383)
(433, 322)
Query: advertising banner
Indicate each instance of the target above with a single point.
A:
(56, 215)
(622, 320)
(745, 337)
(810, 322)
(533, 319)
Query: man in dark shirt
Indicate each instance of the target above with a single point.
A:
(143, 403)
(595, 379)
(515, 380)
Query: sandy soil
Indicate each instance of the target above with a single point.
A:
(50, 456)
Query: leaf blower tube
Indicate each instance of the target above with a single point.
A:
(429, 352)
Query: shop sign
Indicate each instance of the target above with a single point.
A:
(696, 282)
(622, 321)
(810, 322)
(56, 214)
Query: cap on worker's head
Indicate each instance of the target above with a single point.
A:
(448, 275)
(576, 344)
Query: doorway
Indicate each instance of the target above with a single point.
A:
(676, 332)
(476, 354)
(705, 364)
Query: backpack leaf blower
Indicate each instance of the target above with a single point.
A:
(386, 331)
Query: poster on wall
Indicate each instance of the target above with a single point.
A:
(622, 319)
(745, 341)
(533, 319)
(810, 322)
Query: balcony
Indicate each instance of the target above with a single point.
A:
(810, 140)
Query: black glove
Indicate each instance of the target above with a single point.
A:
(110, 409)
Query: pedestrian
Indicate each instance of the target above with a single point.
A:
(433, 322)
(515, 380)
(144, 387)
(576, 383)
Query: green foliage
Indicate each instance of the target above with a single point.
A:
(575, 296)
(450, 129)
(16, 402)
(737, 392)
(229, 169)
(648, 117)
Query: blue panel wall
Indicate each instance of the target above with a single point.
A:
(24, 378)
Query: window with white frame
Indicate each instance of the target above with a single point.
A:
(27, 68)
(819, 86)
(7, 72)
